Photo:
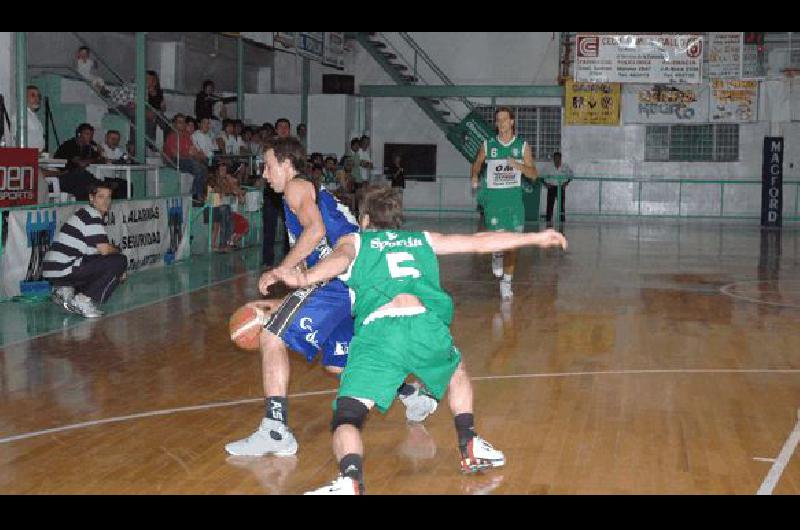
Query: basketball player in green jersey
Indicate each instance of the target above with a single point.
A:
(508, 158)
(402, 318)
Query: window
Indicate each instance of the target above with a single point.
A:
(692, 143)
(539, 126)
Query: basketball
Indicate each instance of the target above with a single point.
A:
(245, 326)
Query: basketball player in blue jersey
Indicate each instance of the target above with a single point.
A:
(310, 320)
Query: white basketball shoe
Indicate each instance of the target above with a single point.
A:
(272, 437)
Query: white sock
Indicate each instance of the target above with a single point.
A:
(507, 277)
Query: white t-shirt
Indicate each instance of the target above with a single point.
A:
(35, 132)
(233, 144)
(112, 154)
(551, 170)
(204, 143)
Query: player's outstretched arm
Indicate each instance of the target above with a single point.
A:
(336, 263)
(483, 242)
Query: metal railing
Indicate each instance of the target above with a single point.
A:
(419, 51)
(417, 75)
(449, 183)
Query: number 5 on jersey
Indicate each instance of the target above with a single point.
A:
(394, 259)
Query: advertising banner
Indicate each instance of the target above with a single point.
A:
(592, 103)
(650, 58)
(772, 182)
(734, 101)
(149, 233)
(468, 136)
(665, 104)
(19, 173)
(724, 55)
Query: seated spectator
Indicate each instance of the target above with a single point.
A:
(111, 149)
(329, 174)
(266, 132)
(81, 264)
(346, 189)
(283, 127)
(252, 142)
(202, 139)
(80, 152)
(302, 133)
(85, 65)
(191, 125)
(191, 159)
(227, 141)
(316, 175)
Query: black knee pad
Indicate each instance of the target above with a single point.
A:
(349, 411)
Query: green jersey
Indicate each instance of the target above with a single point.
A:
(503, 182)
(393, 262)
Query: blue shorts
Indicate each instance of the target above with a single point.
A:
(316, 318)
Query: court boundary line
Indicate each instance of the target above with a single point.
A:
(189, 408)
(782, 460)
(127, 309)
(725, 289)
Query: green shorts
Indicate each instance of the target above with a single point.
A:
(504, 216)
(384, 352)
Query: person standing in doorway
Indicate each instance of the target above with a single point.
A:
(558, 175)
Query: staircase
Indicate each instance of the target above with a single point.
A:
(446, 115)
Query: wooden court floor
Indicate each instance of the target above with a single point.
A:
(652, 357)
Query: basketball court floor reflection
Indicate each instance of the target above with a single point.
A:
(652, 357)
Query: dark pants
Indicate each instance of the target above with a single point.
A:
(96, 277)
(270, 212)
(200, 173)
(79, 181)
(552, 193)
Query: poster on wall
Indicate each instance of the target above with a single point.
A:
(665, 103)
(284, 40)
(149, 233)
(310, 44)
(725, 55)
(19, 171)
(772, 182)
(734, 101)
(592, 103)
(333, 52)
(642, 58)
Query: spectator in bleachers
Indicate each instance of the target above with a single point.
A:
(80, 152)
(204, 105)
(85, 65)
(266, 132)
(253, 141)
(302, 133)
(329, 173)
(33, 98)
(192, 160)
(365, 158)
(273, 207)
(202, 139)
(81, 264)
(221, 211)
(155, 100)
(227, 141)
(191, 125)
(346, 189)
(282, 127)
(111, 148)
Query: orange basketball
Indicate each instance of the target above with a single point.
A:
(245, 326)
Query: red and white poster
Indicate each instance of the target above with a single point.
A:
(19, 170)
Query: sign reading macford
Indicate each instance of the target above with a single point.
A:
(650, 58)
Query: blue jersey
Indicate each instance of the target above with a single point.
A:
(338, 221)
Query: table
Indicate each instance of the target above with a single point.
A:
(127, 168)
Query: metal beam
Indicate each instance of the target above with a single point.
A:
(240, 78)
(443, 91)
(22, 92)
(141, 92)
(306, 84)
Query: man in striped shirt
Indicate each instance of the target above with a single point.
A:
(83, 267)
